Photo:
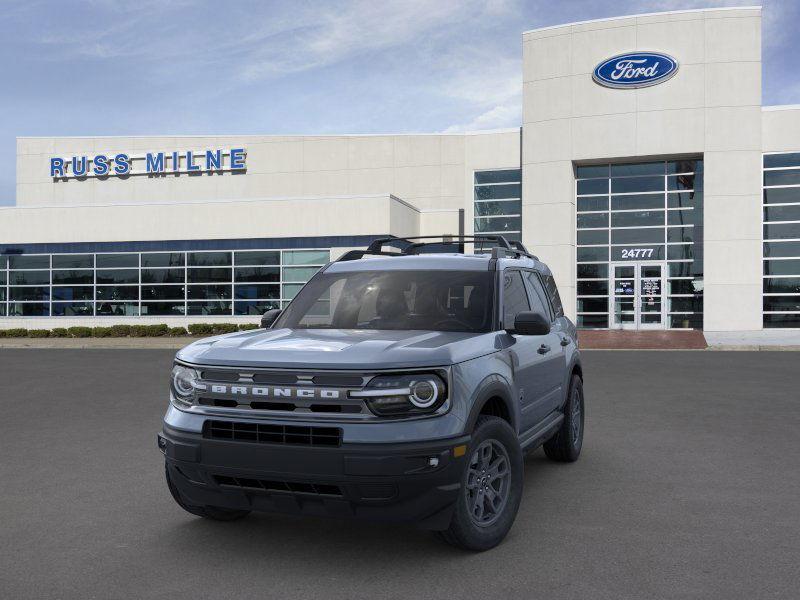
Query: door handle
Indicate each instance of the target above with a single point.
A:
(565, 341)
(543, 349)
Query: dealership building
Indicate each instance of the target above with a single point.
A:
(645, 172)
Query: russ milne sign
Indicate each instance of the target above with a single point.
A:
(151, 163)
(635, 70)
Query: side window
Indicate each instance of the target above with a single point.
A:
(537, 295)
(552, 291)
(515, 299)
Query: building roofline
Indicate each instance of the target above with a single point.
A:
(262, 135)
(652, 14)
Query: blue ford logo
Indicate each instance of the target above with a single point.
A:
(635, 70)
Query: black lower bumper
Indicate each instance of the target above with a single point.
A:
(400, 482)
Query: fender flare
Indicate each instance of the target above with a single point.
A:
(493, 386)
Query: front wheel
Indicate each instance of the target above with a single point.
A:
(491, 488)
(566, 444)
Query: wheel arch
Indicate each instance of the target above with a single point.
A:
(494, 397)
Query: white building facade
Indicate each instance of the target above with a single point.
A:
(666, 197)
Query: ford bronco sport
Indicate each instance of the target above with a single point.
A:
(400, 384)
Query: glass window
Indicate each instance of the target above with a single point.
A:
(636, 184)
(555, 298)
(680, 234)
(209, 259)
(785, 320)
(592, 305)
(73, 261)
(499, 176)
(596, 203)
(29, 277)
(254, 307)
(84, 292)
(782, 231)
(685, 304)
(637, 202)
(258, 257)
(306, 257)
(782, 195)
(163, 276)
(637, 236)
(782, 267)
(589, 171)
(685, 200)
(592, 271)
(684, 286)
(162, 308)
(684, 217)
(209, 292)
(257, 274)
(593, 288)
(515, 298)
(782, 303)
(684, 166)
(28, 309)
(683, 182)
(790, 159)
(255, 292)
(115, 261)
(221, 307)
(72, 277)
(589, 254)
(73, 309)
(498, 208)
(209, 275)
(788, 177)
(497, 192)
(117, 275)
(782, 213)
(536, 295)
(694, 321)
(638, 218)
(290, 290)
(781, 249)
(29, 293)
(3, 262)
(163, 259)
(498, 224)
(681, 269)
(782, 285)
(593, 321)
(117, 309)
(162, 292)
(592, 186)
(651, 168)
(117, 292)
(592, 236)
(593, 220)
(638, 252)
(24, 261)
(680, 252)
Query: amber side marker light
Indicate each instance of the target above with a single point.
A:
(459, 451)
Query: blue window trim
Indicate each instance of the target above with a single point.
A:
(334, 241)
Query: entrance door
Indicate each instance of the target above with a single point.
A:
(637, 290)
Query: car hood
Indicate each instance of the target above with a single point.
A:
(339, 348)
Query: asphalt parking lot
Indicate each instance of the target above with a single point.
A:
(688, 487)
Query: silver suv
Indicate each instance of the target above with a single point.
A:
(403, 383)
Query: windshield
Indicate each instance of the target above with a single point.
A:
(428, 300)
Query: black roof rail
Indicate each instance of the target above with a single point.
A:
(413, 245)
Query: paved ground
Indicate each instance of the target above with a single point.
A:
(688, 487)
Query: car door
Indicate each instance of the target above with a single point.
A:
(555, 359)
(528, 360)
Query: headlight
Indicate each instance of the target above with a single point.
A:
(404, 394)
(184, 380)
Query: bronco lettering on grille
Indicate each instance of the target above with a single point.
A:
(276, 392)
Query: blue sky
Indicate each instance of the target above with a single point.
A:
(151, 67)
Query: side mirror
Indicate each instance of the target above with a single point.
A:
(531, 323)
(269, 317)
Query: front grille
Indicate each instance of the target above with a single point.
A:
(267, 433)
(291, 487)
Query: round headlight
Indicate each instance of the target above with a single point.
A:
(183, 379)
(424, 393)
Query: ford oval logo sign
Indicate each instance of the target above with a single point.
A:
(635, 70)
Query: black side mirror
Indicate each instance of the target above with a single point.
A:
(531, 323)
(269, 317)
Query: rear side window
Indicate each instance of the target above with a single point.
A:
(537, 295)
(552, 292)
(515, 298)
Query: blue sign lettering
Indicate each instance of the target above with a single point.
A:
(56, 167)
(100, 165)
(635, 70)
(154, 163)
(237, 159)
(122, 166)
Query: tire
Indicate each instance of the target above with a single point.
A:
(215, 513)
(566, 444)
(478, 532)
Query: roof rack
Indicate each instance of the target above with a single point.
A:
(503, 247)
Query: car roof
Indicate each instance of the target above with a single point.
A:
(434, 262)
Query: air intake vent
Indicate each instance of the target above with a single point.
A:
(263, 433)
(291, 487)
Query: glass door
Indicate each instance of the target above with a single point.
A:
(637, 295)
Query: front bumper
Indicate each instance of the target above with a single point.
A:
(404, 482)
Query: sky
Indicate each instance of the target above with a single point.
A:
(174, 67)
